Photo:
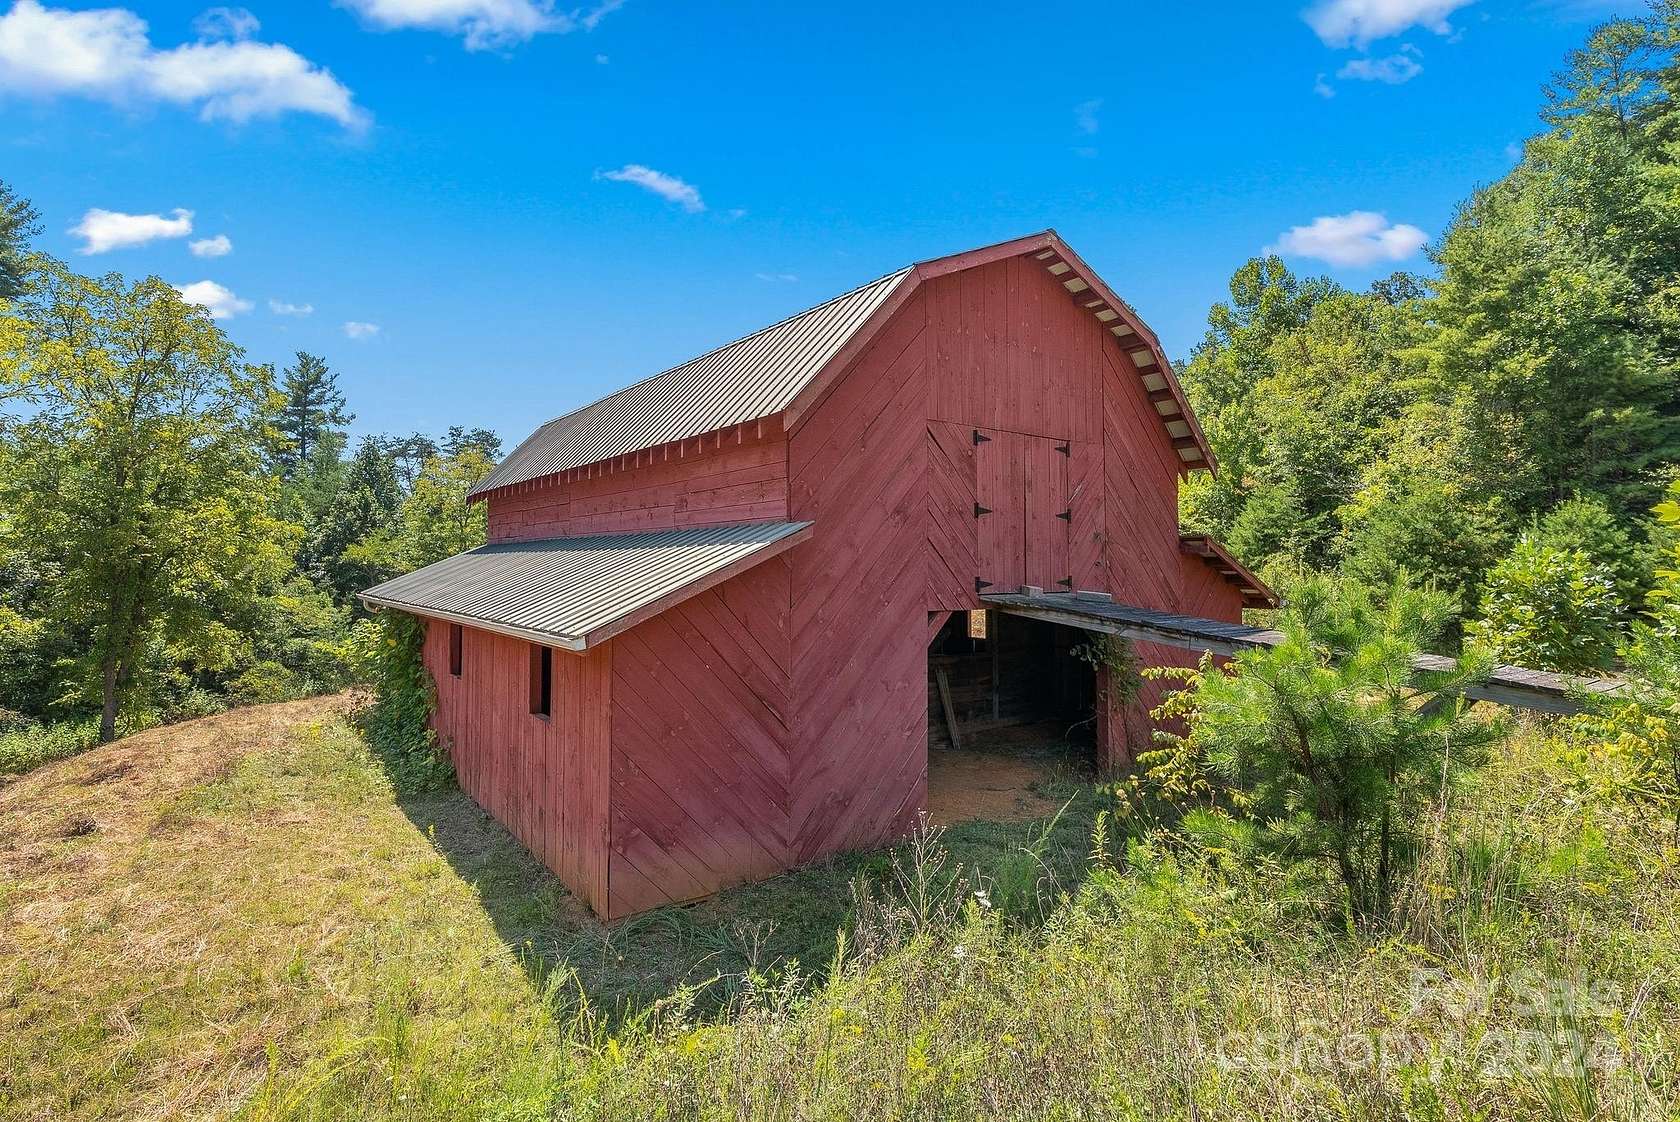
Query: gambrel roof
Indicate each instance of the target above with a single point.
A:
(782, 369)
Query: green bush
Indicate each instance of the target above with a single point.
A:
(1550, 609)
(265, 682)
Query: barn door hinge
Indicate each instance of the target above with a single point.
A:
(980, 585)
(1065, 449)
(979, 510)
(1066, 582)
(980, 437)
(1066, 515)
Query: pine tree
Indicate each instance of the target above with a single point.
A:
(18, 223)
(314, 407)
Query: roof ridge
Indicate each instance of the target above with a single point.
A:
(732, 343)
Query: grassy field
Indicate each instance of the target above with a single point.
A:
(238, 917)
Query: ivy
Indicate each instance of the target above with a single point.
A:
(388, 653)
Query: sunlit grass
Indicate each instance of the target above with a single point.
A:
(254, 925)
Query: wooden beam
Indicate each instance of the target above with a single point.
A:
(945, 703)
(1513, 686)
(936, 624)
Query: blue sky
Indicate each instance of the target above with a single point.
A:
(496, 210)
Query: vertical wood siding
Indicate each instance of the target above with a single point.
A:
(695, 484)
(545, 780)
(701, 702)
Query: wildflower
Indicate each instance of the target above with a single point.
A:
(959, 952)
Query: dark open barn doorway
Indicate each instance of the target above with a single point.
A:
(1010, 709)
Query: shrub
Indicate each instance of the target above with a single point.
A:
(386, 651)
(1549, 608)
(1331, 745)
(264, 682)
(1586, 524)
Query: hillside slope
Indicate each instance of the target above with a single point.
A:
(239, 917)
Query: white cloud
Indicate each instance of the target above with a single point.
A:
(781, 278)
(1362, 237)
(1395, 69)
(226, 23)
(667, 187)
(218, 246)
(1085, 115)
(220, 301)
(356, 330)
(1323, 88)
(106, 54)
(483, 24)
(104, 230)
(602, 60)
(282, 308)
(1341, 23)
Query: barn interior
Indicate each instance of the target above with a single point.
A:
(1010, 709)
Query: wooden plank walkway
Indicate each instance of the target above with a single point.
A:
(1508, 685)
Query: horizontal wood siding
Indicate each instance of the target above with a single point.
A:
(545, 780)
(858, 467)
(695, 484)
(701, 700)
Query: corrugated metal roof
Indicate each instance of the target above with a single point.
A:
(753, 377)
(575, 592)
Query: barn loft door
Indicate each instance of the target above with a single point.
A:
(1021, 502)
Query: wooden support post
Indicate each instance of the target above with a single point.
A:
(945, 703)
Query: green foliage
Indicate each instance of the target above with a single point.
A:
(1549, 608)
(388, 655)
(19, 222)
(1332, 744)
(1634, 737)
(364, 505)
(1587, 524)
(435, 520)
(138, 472)
(312, 412)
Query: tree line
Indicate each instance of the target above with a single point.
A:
(1500, 428)
(181, 528)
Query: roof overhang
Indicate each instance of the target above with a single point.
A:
(575, 593)
(1255, 592)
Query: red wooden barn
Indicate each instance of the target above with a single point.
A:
(697, 648)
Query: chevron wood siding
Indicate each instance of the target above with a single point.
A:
(701, 701)
(782, 715)
(545, 780)
(953, 544)
(858, 470)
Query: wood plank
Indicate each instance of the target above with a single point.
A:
(944, 681)
(1515, 686)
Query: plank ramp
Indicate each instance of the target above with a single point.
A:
(1514, 686)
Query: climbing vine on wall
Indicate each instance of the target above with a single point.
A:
(388, 650)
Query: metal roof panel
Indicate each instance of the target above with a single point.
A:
(574, 592)
(753, 377)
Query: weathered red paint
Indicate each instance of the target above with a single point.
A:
(782, 715)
